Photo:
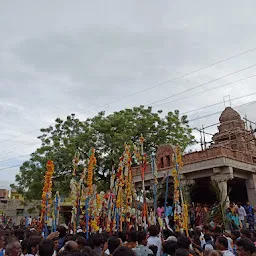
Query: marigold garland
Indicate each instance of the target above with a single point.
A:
(91, 165)
(47, 192)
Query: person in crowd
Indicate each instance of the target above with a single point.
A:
(181, 252)
(222, 245)
(13, 248)
(62, 233)
(250, 215)
(241, 214)
(141, 249)
(169, 248)
(154, 238)
(245, 233)
(33, 245)
(123, 251)
(70, 246)
(132, 240)
(2, 245)
(246, 247)
(46, 247)
(112, 245)
(97, 241)
(81, 241)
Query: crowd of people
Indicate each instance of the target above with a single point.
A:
(200, 241)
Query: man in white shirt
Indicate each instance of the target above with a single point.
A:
(241, 214)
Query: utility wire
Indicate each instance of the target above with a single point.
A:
(218, 103)
(219, 112)
(154, 86)
(207, 90)
(175, 78)
(200, 85)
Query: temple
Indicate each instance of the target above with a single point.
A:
(229, 163)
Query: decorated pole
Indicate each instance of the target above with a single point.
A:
(91, 165)
(56, 213)
(143, 169)
(154, 172)
(46, 197)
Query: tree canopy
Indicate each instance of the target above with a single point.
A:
(107, 134)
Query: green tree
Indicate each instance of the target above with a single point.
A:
(107, 134)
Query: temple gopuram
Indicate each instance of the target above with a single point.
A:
(230, 161)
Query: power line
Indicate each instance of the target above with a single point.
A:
(175, 78)
(200, 85)
(207, 90)
(152, 87)
(219, 112)
(10, 167)
(218, 103)
(14, 158)
(7, 152)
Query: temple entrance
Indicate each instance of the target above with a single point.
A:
(237, 191)
(203, 191)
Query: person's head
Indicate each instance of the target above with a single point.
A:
(222, 243)
(69, 238)
(113, 243)
(169, 247)
(13, 248)
(183, 242)
(207, 237)
(46, 247)
(88, 250)
(248, 204)
(181, 252)
(97, 240)
(239, 204)
(245, 247)
(167, 233)
(70, 246)
(153, 230)
(154, 249)
(245, 233)
(62, 230)
(235, 234)
(133, 236)
(142, 238)
(123, 251)
(122, 236)
(19, 234)
(24, 246)
(81, 241)
(56, 243)
(33, 246)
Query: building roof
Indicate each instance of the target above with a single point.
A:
(229, 114)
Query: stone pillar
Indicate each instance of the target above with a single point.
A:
(251, 189)
(186, 185)
(221, 179)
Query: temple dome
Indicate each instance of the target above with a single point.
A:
(229, 114)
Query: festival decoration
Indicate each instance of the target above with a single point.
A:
(77, 190)
(154, 172)
(56, 212)
(47, 197)
(141, 159)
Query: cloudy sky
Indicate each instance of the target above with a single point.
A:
(61, 57)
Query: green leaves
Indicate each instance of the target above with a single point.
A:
(107, 134)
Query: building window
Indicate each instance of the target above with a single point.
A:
(162, 162)
(168, 161)
(19, 212)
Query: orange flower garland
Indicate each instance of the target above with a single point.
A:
(91, 165)
(47, 189)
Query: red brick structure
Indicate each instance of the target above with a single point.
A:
(232, 156)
